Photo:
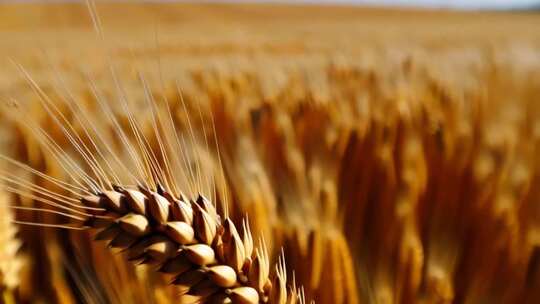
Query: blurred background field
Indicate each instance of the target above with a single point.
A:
(392, 152)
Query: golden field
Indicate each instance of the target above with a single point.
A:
(391, 155)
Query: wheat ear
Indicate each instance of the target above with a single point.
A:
(211, 261)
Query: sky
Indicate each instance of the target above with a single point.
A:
(459, 4)
(471, 4)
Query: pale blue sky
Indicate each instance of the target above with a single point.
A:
(465, 4)
(455, 3)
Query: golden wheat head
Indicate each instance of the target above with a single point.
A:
(210, 259)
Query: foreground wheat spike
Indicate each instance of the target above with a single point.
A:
(208, 257)
(211, 261)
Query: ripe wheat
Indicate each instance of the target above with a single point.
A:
(390, 170)
(210, 260)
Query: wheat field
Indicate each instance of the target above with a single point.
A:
(257, 153)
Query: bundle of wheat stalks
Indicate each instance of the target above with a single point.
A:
(406, 176)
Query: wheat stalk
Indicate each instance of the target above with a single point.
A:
(10, 264)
